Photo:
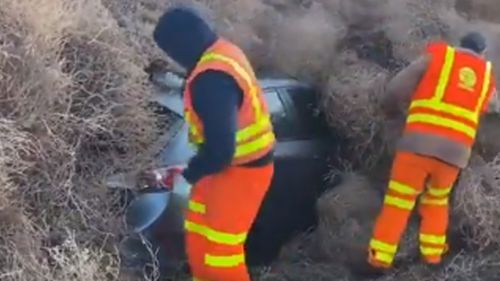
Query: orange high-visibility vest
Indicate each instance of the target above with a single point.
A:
(451, 96)
(255, 137)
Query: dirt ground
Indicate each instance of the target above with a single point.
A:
(73, 111)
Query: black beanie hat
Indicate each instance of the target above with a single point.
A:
(474, 41)
(184, 34)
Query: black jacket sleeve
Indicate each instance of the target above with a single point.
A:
(216, 99)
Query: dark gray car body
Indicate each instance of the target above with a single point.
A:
(289, 118)
(303, 146)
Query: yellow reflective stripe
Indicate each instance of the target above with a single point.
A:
(447, 108)
(262, 121)
(402, 188)
(242, 72)
(248, 132)
(262, 124)
(486, 87)
(196, 207)
(214, 235)
(433, 239)
(444, 77)
(398, 202)
(382, 246)
(224, 261)
(384, 257)
(255, 102)
(436, 202)
(435, 103)
(438, 191)
(193, 130)
(253, 146)
(235, 65)
(198, 279)
(443, 122)
(243, 149)
(429, 251)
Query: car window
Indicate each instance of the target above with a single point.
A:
(281, 119)
(274, 103)
(309, 121)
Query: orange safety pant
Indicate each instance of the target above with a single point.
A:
(413, 175)
(221, 211)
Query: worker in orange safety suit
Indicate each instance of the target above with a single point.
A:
(229, 123)
(444, 93)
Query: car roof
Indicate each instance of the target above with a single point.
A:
(174, 102)
(267, 83)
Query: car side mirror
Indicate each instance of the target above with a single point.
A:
(146, 208)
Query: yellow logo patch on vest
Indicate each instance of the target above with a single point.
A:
(468, 78)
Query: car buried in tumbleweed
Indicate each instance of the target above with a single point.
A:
(304, 144)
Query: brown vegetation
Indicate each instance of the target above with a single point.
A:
(73, 111)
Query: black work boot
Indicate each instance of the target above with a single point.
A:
(364, 270)
(436, 263)
(369, 272)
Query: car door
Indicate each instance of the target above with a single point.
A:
(304, 133)
(304, 140)
(289, 205)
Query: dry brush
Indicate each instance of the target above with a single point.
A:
(72, 111)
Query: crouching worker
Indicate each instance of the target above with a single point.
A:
(444, 92)
(229, 124)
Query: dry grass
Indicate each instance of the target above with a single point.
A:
(479, 9)
(345, 220)
(460, 267)
(352, 107)
(477, 203)
(73, 111)
(303, 47)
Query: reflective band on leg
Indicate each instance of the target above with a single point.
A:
(438, 192)
(198, 279)
(384, 257)
(224, 261)
(197, 207)
(398, 202)
(430, 251)
(402, 188)
(382, 246)
(214, 235)
(433, 239)
(437, 202)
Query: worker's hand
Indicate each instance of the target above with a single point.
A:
(170, 173)
(162, 177)
(147, 179)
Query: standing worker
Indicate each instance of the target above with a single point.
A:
(447, 91)
(230, 125)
